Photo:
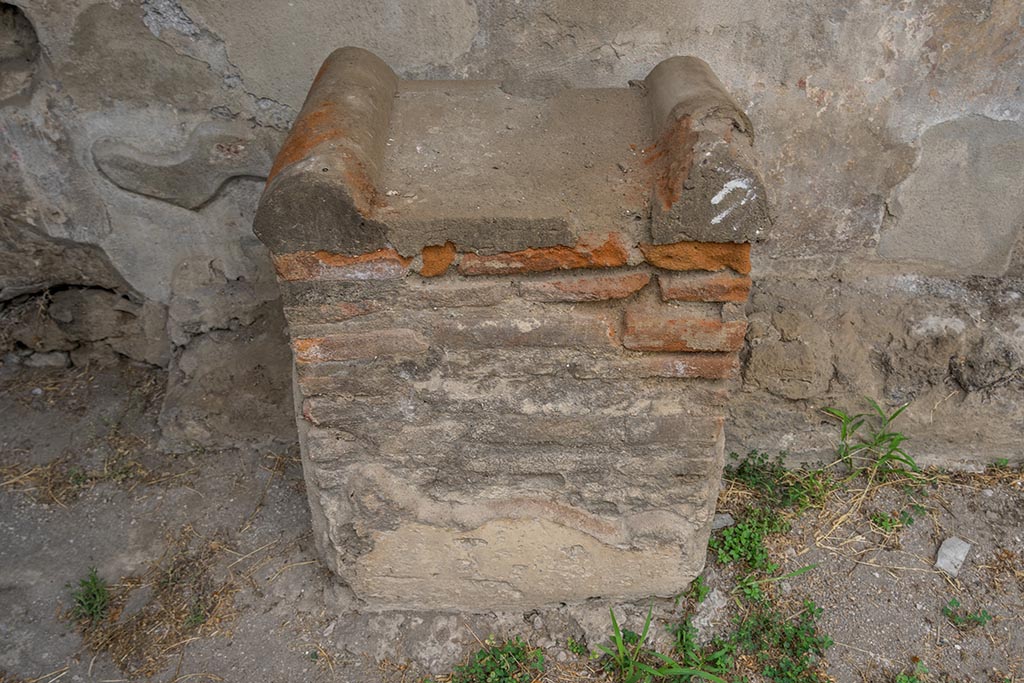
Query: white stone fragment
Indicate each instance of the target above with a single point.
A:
(951, 555)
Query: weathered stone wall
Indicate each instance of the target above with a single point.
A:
(478, 439)
(134, 137)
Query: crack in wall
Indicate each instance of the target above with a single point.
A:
(199, 43)
(159, 15)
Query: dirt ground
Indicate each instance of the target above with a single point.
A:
(213, 576)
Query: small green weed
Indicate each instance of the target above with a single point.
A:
(716, 659)
(625, 653)
(196, 615)
(879, 447)
(750, 588)
(887, 522)
(511, 662)
(698, 590)
(575, 647)
(964, 619)
(77, 477)
(1001, 463)
(777, 486)
(785, 648)
(916, 676)
(686, 641)
(744, 541)
(91, 598)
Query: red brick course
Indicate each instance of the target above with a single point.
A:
(656, 330)
(635, 366)
(610, 253)
(383, 264)
(711, 256)
(437, 259)
(585, 287)
(358, 345)
(720, 286)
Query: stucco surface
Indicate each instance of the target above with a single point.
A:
(962, 206)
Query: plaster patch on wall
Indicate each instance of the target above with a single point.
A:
(293, 38)
(961, 209)
(937, 326)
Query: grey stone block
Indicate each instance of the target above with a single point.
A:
(951, 555)
(721, 521)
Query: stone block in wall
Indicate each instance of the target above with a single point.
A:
(511, 349)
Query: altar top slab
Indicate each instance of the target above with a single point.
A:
(373, 161)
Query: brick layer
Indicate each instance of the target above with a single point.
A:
(664, 330)
(585, 288)
(723, 286)
(608, 253)
(382, 264)
(436, 259)
(711, 256)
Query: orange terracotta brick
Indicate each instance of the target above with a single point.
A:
(382, 264)
(656, 330)
(719, 286)
(585, 287)
(316, 129)
(312, 129)
(672, 157)
(609, 254)
(437, 259)
(711, 256)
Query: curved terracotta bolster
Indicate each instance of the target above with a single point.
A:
(322, 191)
(686, 87)
(707, 187)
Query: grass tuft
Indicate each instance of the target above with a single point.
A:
(91, 598)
